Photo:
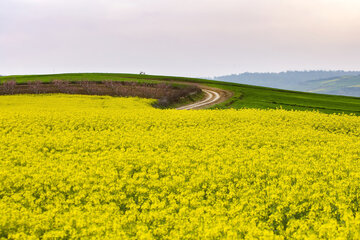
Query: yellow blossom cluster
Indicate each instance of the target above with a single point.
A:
(97, 167)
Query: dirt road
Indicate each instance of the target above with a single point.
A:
(212, 97)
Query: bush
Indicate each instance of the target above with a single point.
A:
(9, 87)
(35, 86)
(62, 86)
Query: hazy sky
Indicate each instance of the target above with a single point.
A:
(178, 37)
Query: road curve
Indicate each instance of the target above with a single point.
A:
(211, 98)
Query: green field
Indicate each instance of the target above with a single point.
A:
(245, 96)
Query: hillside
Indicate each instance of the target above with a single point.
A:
(300, 81)
(345, 85)
(245, 96)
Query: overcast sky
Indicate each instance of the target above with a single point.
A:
(178, 37)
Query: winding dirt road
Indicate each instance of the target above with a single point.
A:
(212, 97)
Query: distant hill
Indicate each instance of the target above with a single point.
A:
(328, 82)
(344, 85)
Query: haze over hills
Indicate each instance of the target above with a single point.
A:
(343, 85)
(328, 82)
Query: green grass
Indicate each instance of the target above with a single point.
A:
(263, 98)
(76, 77)
(245, 96)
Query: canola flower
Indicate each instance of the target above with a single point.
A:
(94, 167)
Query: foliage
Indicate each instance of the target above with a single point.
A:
(9, 86)
(104, 167)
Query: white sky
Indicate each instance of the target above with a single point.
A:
(178, 37)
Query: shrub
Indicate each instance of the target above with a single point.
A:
(62, 86)
(35, 86)
(88, 86)
(9, 86)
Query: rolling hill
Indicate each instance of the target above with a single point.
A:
(327, 82)
(345, 85)
(77, 166)
(245, 96)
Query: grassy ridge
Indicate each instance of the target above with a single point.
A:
(245, 96)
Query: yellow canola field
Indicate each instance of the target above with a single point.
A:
(115, 168)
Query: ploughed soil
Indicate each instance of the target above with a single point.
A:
(166, 93)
